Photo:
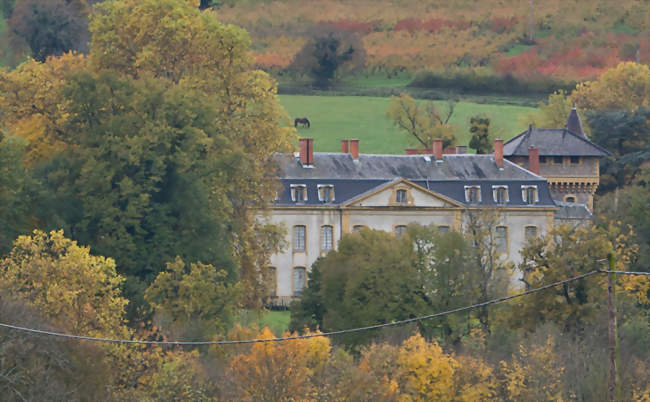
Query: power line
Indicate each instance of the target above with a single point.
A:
(317, 335)
(624, 272)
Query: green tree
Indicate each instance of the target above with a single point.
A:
(626, 135)
(422, 122)
(193, 302)
(327, 53)
(16, 191)
(481, 140)
(51, 27)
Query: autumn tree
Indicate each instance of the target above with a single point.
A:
(192, 302)
(65, 283)
(51, 27)
(327, 53)
(625, 87)
(422, 122)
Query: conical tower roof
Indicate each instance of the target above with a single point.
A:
(574, 124)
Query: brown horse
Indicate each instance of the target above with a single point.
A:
(301, 120)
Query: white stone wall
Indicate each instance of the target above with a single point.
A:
(380, 219)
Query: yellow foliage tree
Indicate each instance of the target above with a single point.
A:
(474, 380)
(76, 290)
(279, 371)
(534, 375)
(32, 103)
(627, 86)
(425, 372)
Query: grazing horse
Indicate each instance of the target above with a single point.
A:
(301, 120)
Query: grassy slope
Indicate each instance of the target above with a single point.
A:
(337, 117)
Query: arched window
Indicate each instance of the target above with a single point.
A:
(570, 199)
(299, 233)
(357, 228)
(299, 281)
(326, 238)
(400, 230)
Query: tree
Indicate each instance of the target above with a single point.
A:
(51, 27)
(327, 53)
(625, 134)
(492, 270)
(193, 302)
(624, 87)
(481, 140)
(65, 283)
(422, 122)
(16, 191)
(279, 371)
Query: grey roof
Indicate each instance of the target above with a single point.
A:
(352, 179)
(552, 142)
(571, 211)
(574, 124)
(410, 167)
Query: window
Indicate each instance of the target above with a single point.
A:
(298, 281)
(400, 230)
(529, 194)
(357, 228)
(530, 232)
(443, 229)
(325, 193)
(557, 160)
(570, 199)
(272, 282)
(574, 160)
(501, 239)
(473, 194)
(326, 233)
(298, 193)
(500, 194)
(400, 196)
(543, 160)
(299, 238)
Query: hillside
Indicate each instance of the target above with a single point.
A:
(572, 40)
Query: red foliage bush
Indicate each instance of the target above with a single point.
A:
(352, 25)
(430, 25)
(503, 25)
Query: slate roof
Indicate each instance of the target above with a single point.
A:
(352, 179)
(574, 124)
(552, 142)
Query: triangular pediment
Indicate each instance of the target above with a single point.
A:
(410, 195)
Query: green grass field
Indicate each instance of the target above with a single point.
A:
(276, 321)
(334, 118)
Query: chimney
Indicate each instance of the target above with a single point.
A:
(412, 151)
(498, 153)
(345, 146)
(533, 159)
(306, 151)
(461, 149)
(354, 148)
(437, 149)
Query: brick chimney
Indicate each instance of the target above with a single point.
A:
(354, 148)
(437, 149)
(498, 153)
(533, 159)
(345, 146)
(306, 151)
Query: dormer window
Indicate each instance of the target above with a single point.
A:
(500, 194)
(543, 160)
(325, 193)
(298, 192)
(574, 160)
(473, 194)
(400, 196)
(529, 194)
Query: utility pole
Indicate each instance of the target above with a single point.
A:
(613, 343)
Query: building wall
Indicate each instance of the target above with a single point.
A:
(343, 221)
(588, 166)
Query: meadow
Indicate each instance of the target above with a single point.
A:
(338, 117)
